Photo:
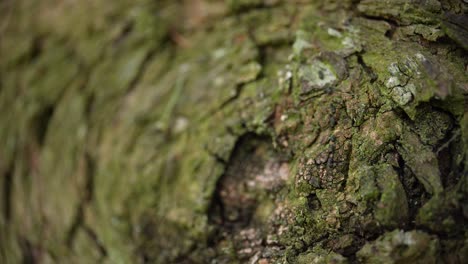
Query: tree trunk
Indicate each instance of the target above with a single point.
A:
(253, 131)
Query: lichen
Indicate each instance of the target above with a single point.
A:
(402, 247)
(234, 131)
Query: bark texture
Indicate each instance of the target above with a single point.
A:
(250, 131)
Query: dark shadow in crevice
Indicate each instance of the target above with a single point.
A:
(235, 199)
(42, 121)
(8, 192)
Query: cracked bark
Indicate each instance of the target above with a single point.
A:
(250, 131)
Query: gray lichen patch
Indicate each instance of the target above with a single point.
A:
(410, 79)
(402, 95)
(316, 77)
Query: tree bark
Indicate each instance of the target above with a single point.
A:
(253, 131)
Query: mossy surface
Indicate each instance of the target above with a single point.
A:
(246, 131)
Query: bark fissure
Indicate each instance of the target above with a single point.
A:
(252, 131)
(88, 189)
(8, 192)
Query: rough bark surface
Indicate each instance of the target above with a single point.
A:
(250, 131)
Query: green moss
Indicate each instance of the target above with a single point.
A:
(391, 210)
(405, 12)
(422, 161)
(319, 255)
(144, 116)
(379, 189)
(437, 213)
(401, 247)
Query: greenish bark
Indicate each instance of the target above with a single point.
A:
(253, 131)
